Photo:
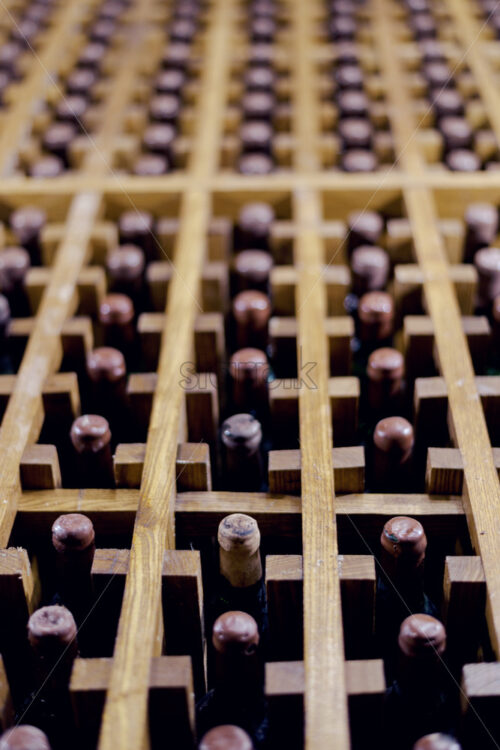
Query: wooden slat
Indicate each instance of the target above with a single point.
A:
(124, 718)
(325, 698)
(481, 486)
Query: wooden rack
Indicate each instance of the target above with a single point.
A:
(153, 513)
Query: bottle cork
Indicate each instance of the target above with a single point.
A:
(255, 164)
(92, 56)
(72, 109)
(239, 550)
(262, 30)
(456, 132)
(447, 103)
(359, 160)
(57, 140)
(355, 133)
(342, 29)
(46, 167)
(182, 31)
(24, 737)
(349, 77)
(80, 82)
(251, 313)
(150, 165)
(176, 56)
(422, 638)
(436, 741)
(258, 105)
(225, 737)
(404, 543)
(462, 160)
(170, 81)
(385, 372)
(165, 108)
(260, 78)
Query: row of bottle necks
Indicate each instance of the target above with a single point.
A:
(422, 678)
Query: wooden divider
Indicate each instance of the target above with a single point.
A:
(125, 714)
(325, 698)
(481, 486)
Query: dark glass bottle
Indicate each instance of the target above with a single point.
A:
(241, 436)
(73, 540)
(225, 737)
(238, 695)
(400, 582)
(392, 456)
(418, 701)
(24, 737)
(241, 582)
(91, 439)
(249, 371)
(52, 635)
(107, 374)
(481, 222)
(385, 372)
(251, 313)
(27, 224)
(253, 228)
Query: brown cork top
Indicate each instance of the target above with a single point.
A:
(257, 104)
(447, 102)
(90, 433)
(394, 435)
(463, 160)
(436, 741)
(239, 534)
(487, 261)
(80, 81)
(165, 107)
(385, 364)
(355, 131)
(349, 77)
(235, 632)
(404, 537)
(256, 135)
(456, 131)
(241, 431)
(71, 108)
(177, 55)
(482, 218)
(46, 167)
(24, 737)
(150, 165)
(260, 78)
(262, 30)
(72, 531)
(49, 626)
(359, 160)
(342, 28)
(375, 307)
(170, 81)
(353, 104)
(59, 135)
(256, 218)
(14, 263)
(182, 30)
(252, 307)
(125, 263)
(368, 224)
(135, 222)
(422, 636)
(92, 55)
(249, 364)
(346, 53)
(27, 222)
(254, 265)
(159, 136)
(116, 309)
(431, 51)
(225, 737)
(106, 364)
(255, 164)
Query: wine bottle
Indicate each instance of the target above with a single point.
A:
(24, 737)
(241, 440)
(225, 737)
(237, 696)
